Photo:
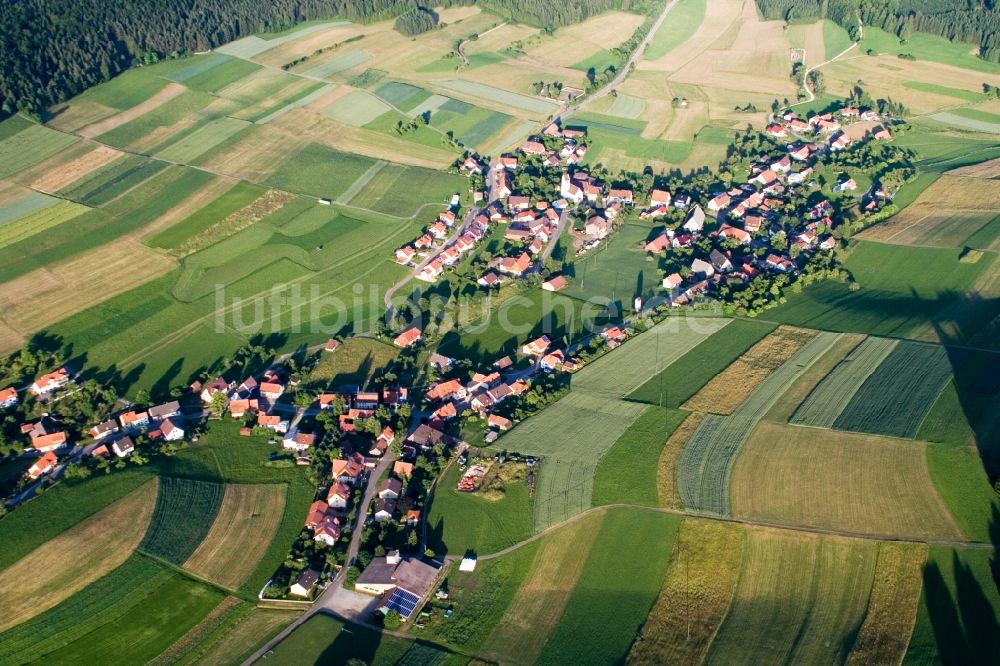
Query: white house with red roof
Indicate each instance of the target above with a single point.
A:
(50, 382)
(407, 337)
(42, 465)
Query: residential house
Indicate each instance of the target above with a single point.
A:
(102, 430)
(332, 345)
(597, 227)
(445, 412)
(239, 408)
(719, 202)
(43, 465)
(622, 196)
(514, 265)
(403, 470)
(328, 531)
(133, 420)
(672, 281)
(339, 495)
(659, 244)
(123, 447)
(46, 442)
(50, 382)
(554, 283)
(296, 440)
(779, 263)
(695, 220)
(735, 233)
(304, 583)
(552, 361)
(215, 386)
(271, 390)
(498, 422)
(8, 397)
(348, 470)
(720, 262)
(537, 346)
(272, 422)
(445, 391)
(440, 362)
(702, 269)
(408, 337)
(533, 148)
(390, 489)
(164, 411)
(403, 583)
(384, 510)
(382, 442)
(171, 431)
(404, 255)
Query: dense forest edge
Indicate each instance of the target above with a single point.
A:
(52, 50)
(972, 21)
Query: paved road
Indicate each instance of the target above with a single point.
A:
(331, 600)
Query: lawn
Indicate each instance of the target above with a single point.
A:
(903, 291)
(324, 639)
(684, 20)
(824, 479)
(544, 595)
(957, 617)
(60, 508)
(241, 533)
(684, 377)
(707, 460)
(619, 584)
(75, 558)
(897, 395)
(320, 171)
(185, 512)
(356, 362)
(480, 599)
(626, 474)
(959, 476)
(832, 395)
(458, 521)
(801, 598)
(695, 597)
(240, 195)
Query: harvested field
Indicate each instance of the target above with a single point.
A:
(169, 91)
(861, 484)
(339, 63)
(708, 458)
(897, 396)
(892, 606)
(950, 229)
(10, 340)
(266, 204)
(831, 396)
(727, 390)
(240, 640)
(696, 595)
(255, 155)
(988, 169)
(74, 559)
(59, 178)
(247, 521)
(305, 98)
(249, 47)
(585, 44)
(49, 295)
(800, 599)
(81, 112)
(185, 512)
(544, 594)
(666, 468)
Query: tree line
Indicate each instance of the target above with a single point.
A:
(972, 21)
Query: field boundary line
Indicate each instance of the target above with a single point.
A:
(348, 195)
(184, 572)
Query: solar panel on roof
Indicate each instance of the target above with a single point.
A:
(402, 602)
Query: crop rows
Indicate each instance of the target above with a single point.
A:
(29, 147)
(185, 511)
(107, 183)
(39, 221)
(895, 399)
(832, 395)
(707, 460)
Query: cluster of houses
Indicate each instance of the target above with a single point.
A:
(828, 129)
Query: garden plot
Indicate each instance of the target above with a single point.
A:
(897, 396)
(831, 396)
(708, 459)
(357, 109)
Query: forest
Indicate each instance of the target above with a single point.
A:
(972, 21)
(51, 50)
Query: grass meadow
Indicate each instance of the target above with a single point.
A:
(240, 195)
(680, 380)
(457, 521)
(30, 145)
(185, 511)
(627, 473)
(241, 639)
(319, 171)
(326, 639)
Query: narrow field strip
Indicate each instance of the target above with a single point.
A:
(892, 607)
(24, 206)
(81, 167)
(835, 391)
(696, 595)
(666, 467)
(39, 221)
(708, 458)
(202, 140)
(295, 104)
(30, 146)
(74, 559)
(347, 195)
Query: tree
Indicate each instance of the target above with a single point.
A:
(392, 620)
(218, 404)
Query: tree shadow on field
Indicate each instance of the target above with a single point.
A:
(352, 642)
(161, 388)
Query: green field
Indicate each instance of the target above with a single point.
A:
(959, 607)
(341, 62)
(835, 39)
(357, 108)
(27, 204)
(894, 399)
(627, 106)
(213, 76)
(619, 583)
(684, 377)
(684, 20)
(618, 270)
(184, 513)
(130, 88)
(29, 146)
(401, 191)
(924, 46)
(708, 458)
(103, 185)
(457, 521)
(324, 639)
(627, 472)
(831, 396)
(320, 171)
(32, 224)
(170, 112)
(903, 291)
(240, 195)
(402, 95)
(957, 93)
(60, 508)
(959, 476)
(800, 599)
(302, 98)
(525, 103)
(192, 146)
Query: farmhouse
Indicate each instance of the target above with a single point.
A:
(404, 582)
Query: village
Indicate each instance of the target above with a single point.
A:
(381, 449)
